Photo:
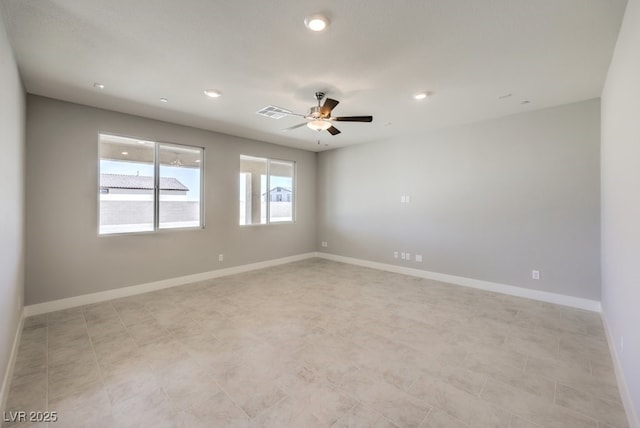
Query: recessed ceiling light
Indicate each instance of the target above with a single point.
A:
(421, 96)
(125, 153)
(164, 100)
(213, 93)
(316, 22)
(98, 85)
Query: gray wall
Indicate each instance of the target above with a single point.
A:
(64, 255)
(621, 199)
(489, 201)
(12, 206)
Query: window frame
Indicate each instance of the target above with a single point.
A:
(294, 191)
(156, 187)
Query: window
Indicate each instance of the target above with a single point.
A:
(146, 186)
(267, 190)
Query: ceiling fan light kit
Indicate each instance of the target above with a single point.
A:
(319, 125)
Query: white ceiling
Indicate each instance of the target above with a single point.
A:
(373, 57)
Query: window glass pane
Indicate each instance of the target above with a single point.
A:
(253, 190)
(280, 191)
(126, 185)
(180, 179)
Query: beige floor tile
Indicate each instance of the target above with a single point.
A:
(27, 397)
(253, 391)
(134, 315)
(536, 386)
(558, 369)
(325, 365)
(533, 408)
(323, 400)
(70, 378)
(319, 343)
(148, 332)
(72, 316)
(611, 412)
(103, 326)
(61, 356)
(114, 347)
(362, 417)
(100, 312)
(60, 334)
(440, 419)
(218, 410)
(37, 321)
(496, 361)
(148, 409)
(539, 344)
(369, 388)
(187, 384)
(286, 413)
(84, 407)
(518, 422)
(458, 403)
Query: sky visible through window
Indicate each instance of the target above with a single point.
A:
(190, 177)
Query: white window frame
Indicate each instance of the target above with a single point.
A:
(294, 192)
(156, 186)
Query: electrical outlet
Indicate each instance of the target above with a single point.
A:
(535, 274)
(403, 199)
(407, 199)
(419, 258)
(220, 257)
(395, 254)
(402, 256)
(325, 244)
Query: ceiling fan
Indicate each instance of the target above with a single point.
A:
(319, 117)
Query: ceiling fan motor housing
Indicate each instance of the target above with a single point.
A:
(314, 112)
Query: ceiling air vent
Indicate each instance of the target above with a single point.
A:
(273, 112)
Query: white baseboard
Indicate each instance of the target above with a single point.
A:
(625, 395)
(86, 299)
(6, 383)
(544, 296)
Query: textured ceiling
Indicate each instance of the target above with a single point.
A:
(373, 57)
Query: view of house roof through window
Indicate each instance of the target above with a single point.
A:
(124, 181)
(133, 199)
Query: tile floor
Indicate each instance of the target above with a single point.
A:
(318, 344)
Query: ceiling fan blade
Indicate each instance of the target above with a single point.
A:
(296, 114)
(329, 104)
(291, 128)
(333, 130)
(353, 119)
